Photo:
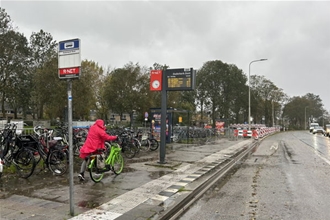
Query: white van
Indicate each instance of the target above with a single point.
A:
(312, 126)
(327, 130)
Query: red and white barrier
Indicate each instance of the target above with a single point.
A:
(258, 131)
(255, 134)
(244, 133)
(240, 133)
(236, 133)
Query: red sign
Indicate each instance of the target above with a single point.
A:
(69, 71)
(156, 80)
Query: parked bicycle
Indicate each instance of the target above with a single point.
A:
(12, 153)
(133, 138)
(79, 136)
(51, 150)
(104, 161)
(129, 146)
(147, 141)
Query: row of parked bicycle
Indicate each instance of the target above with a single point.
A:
(50, 147)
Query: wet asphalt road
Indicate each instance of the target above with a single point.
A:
(287, 177)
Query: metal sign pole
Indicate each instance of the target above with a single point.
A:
(69, 67)
(70, 145)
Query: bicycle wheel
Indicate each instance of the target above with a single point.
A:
(145, 145)
(129, 150)
(95, 175)
(25, 163)
(153, 144)
(137, 144)
(117, 163)
(58, 161)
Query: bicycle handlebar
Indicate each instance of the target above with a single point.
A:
(46, 131)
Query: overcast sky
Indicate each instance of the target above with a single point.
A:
(294, 36)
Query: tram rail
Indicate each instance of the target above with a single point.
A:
(220, 171)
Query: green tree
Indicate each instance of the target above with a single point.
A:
(55, 89)
(127, 89)
(14, 59)
(315, 107)
(44, 52)
(265, 100)
(300, 108)
(294, 111)
(233, 92)
(218, 88)
(87, 91)
(146, 97)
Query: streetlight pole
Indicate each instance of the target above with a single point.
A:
(273, 114)
(250, 91)
(305, 118)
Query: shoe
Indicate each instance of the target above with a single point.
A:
(57, 171)
(81, 177)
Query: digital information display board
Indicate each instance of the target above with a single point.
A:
(180, 79)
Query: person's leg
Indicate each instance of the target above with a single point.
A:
(82, 169)
(83, 166)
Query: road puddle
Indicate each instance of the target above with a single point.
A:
(88, 204)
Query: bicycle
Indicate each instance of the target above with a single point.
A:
(11, 153)
(147, 142)
(78, 137)
(51, 150)
(136, 142)
(128, 145)
(106, 160)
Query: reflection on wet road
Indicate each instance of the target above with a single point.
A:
(42, 184)
(319, 144)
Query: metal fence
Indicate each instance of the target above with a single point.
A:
(200, 135)
(182, 134)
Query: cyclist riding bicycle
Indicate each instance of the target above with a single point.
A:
(95, 141)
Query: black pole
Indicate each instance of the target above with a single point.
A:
(162, 149)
